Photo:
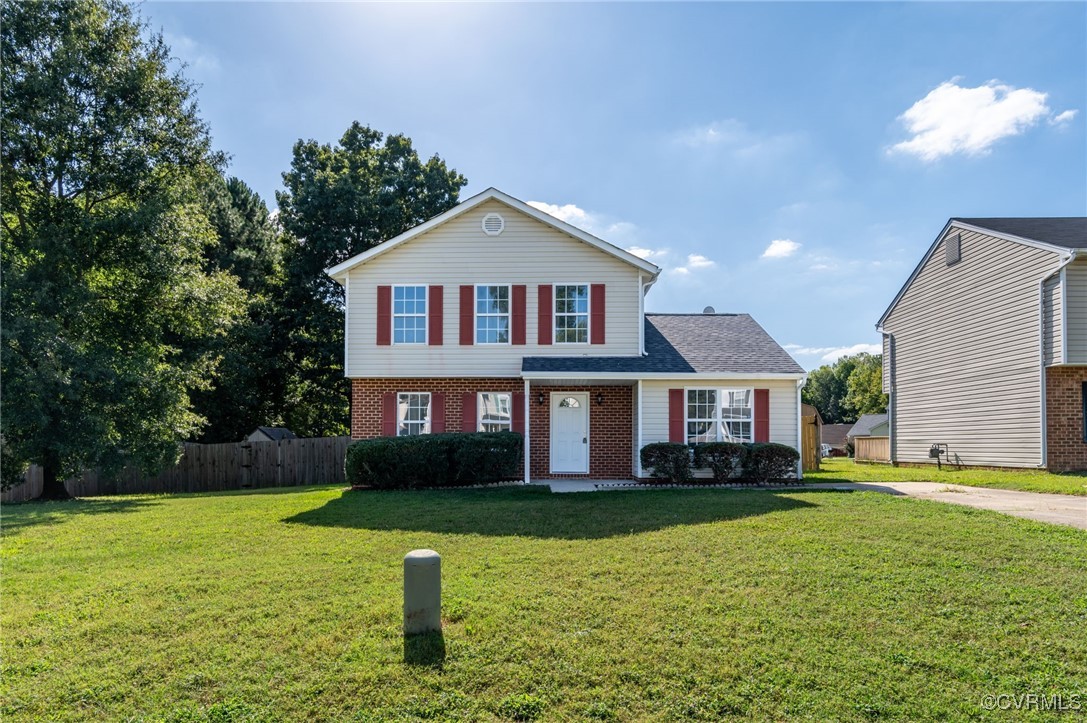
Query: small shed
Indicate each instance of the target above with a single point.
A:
(270, 434)
(871, 439)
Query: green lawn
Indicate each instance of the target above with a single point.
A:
(651, 605)
(841, 469)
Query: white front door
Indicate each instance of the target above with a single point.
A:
(570, 432)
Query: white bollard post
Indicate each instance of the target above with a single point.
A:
(422, 592)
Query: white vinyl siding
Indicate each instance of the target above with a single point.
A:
(458, 253)
(1052, 307)
(967, 355)
(1076, 308)
(886, 363)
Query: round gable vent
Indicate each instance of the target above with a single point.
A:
(493, 224)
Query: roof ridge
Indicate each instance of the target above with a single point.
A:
(695, 313)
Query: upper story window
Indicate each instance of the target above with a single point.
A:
(409, 314)
(492, 314)
(719, 415)
(572, 314)
(495, 410)
(412, 414)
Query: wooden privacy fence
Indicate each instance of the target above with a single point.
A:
(872, 449)
(809, 444)
(213, 468)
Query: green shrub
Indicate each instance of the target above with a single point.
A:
(434, 460)
(769, 461)
(725, 459)
(669, 461)
(522, 707)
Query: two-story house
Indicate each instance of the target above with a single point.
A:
(985, 347)
(495, 316)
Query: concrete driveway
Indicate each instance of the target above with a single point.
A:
(1057, 509)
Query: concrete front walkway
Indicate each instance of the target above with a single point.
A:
(1056, 509)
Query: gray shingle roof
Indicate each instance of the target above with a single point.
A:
(866, 423)
(687, 344)
(277, 433)
(1069, 232)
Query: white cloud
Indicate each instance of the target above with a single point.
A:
(620, 233)
(780, 248)
(1063, 117)
(647, 254)
(695, 262)
(831, 354)
(190, 52)
(733, 136)
(952, 119)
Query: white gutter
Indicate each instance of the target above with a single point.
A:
(528, 458)
(1065, 260)
(678, 376)
(891, 411)
(800, 429)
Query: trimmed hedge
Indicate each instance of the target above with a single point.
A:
(434, 460)
(725, 459)
(668, 461)
(767, 461)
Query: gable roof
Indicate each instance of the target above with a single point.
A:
(1061, 235)
(681, 344)
(339, 271)
(276, 433)
(866, 423)
(835, 434)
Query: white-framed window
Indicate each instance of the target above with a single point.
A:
(720, 415)
(492, 314)
(571, 314)
(412, 413)
(494, 411)
(409, 314)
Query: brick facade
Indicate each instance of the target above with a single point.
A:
(611, 444)
(1066, 448)
(611, 434)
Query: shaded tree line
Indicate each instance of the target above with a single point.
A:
(848, 388)
(148, 298)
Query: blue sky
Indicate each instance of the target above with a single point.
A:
(792, 161)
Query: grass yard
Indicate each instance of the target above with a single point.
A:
(842, 469)
(667, 605)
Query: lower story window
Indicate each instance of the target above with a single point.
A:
(412, 414)
(719, 415)
(495, 410)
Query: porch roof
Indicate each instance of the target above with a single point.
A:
(684, 344)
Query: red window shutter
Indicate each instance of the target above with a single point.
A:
(467, 315)
(596, 321)
(384, 315)
(518, 410)
(543, 317)
(468, 422)
(517, 335)
(437, 413)
(388, 414)
(762, 415)
(676, 418)
(436, 302)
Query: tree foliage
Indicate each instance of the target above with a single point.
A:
(107, 302)
(850, 387)
(341, 200)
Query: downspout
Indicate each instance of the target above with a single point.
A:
(800, 428)
(891, 410)
(1041, 350)
(528, 441)
(641, 313)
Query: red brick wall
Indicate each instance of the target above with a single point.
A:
(366, 398)
(611, 444)
(1066, 449)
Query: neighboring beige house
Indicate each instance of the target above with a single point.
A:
(985, 347)
(496, 316)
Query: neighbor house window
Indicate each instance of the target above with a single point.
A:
(492, 315)
(495, 410)
(409, 315)
(412, 414)
(719, 415)
(572, 314)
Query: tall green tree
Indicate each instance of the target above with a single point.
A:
(341, 200)
(251, 384)
(107, 305)
(846, 389)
